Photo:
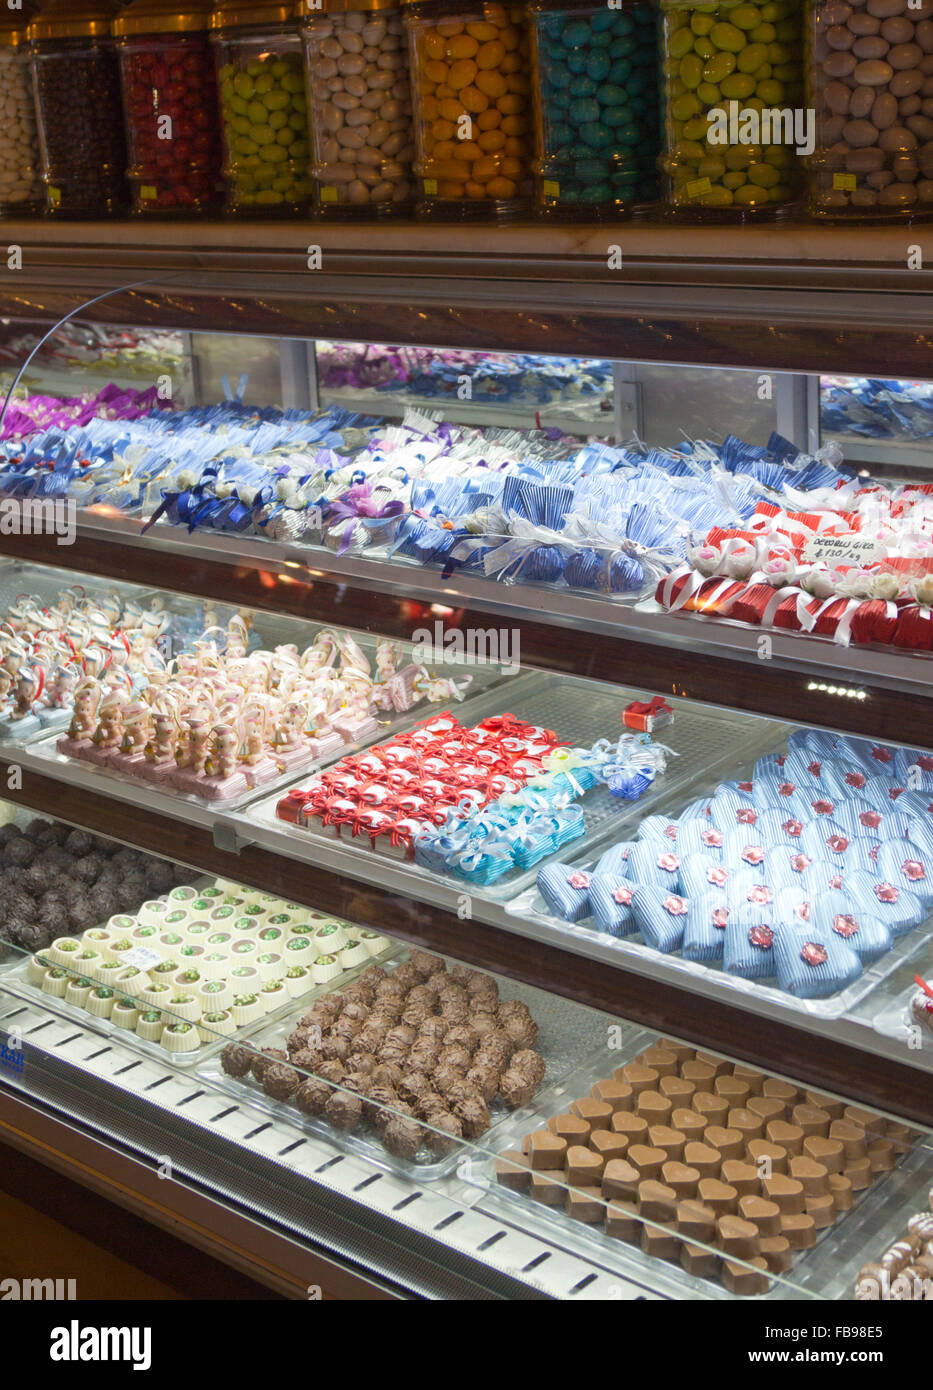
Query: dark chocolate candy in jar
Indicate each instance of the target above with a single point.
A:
(77, 88)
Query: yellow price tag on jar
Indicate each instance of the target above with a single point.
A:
(329, 194)
(551, 189)
(697, 187)
(846, 182)
(55, 195)
(430, 186)
(148, 192)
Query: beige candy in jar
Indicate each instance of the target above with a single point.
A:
(361, 112)
(875, 74)
(19, 152)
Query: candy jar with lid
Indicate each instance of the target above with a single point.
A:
(263, 106)
(471, 93)
(170, 105)
(77, 88)
(356, 57)
(870, 85)
(735, 127)
(21, 189)
(597, 130)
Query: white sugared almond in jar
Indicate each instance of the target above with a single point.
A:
(362, 109)
(19, 177)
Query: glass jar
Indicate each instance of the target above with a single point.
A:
(734, 122)
(356, 60)
(77, 88)
(596, 107)
(21, 189)
(263, 107)
(870, 83)
(170, 105)
(471, 92)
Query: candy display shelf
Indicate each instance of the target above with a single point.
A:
(787, 298)
(856, 689)
(385, 895)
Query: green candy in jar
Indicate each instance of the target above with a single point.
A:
(732, 82)
(596, 107)
(263, 107)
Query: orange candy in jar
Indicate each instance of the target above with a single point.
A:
(472, 109)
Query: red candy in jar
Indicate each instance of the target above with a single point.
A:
(170, 106)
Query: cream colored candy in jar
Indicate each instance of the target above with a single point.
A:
(19, 149)
(361, 112)
(874, 100)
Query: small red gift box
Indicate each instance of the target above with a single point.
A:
(648, 715)
(750, 605)
(875, 620)
(914, 628)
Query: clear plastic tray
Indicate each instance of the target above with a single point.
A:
(381, 554)
(531, 906)
(894, 1020)
(17, 578)
(568, 1033)
(13, 980)
(158, 798)
(704, 739)
(826, 1270)
(648, 604)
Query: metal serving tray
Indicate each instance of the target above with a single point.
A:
(532, 906)
(568, 1034)
(826, 1270)
(582, 712)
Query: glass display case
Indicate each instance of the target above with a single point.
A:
(471, 821)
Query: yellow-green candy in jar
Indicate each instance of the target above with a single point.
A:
(752, 57)
(727, 36)
(681, 43)
(264, 111)
(745, 16)
(738, 86)
(691, 71)
(719, 66)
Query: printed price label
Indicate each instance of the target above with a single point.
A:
(328, 195)
(551, 189)
(846, 182)
(697, 187)
(143, 957)
(148, 192)
(55, 195)
(430, 186)
(854, 550)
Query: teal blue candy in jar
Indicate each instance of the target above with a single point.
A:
(597, 119)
